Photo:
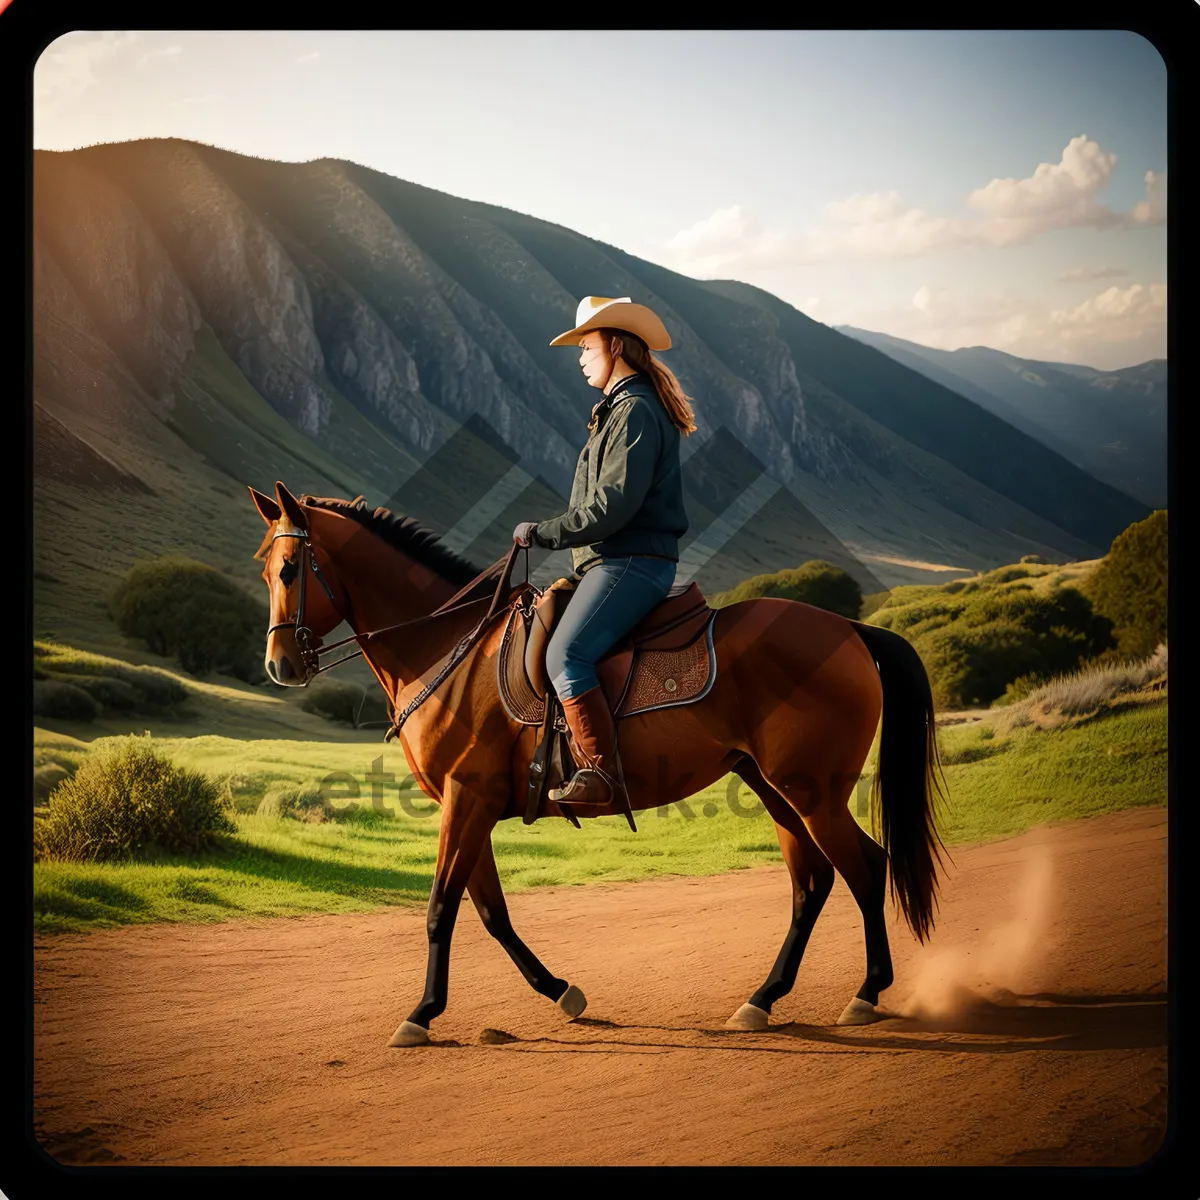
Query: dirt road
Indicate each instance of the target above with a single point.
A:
(1034, 1028)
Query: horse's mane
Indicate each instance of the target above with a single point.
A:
(403, 533)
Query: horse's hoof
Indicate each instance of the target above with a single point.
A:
(572, 1001)
(859, 1012)
(749, 1016)
(410, 1034)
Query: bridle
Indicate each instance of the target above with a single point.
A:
(310, 654)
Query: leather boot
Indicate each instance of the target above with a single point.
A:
(593, 743)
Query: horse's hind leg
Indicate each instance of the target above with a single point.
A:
(812, 880)
(488, 897)
(860, 861)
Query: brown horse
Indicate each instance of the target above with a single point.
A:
(793, 711)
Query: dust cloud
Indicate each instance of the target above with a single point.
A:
(998, 961)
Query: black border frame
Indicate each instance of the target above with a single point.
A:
(26, 29)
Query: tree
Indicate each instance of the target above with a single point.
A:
(1129, 587)
(817, 582)
(186, 609)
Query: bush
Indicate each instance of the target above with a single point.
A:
(872, 602)
(1085, 691)
(1005, 575)
(977, 639)
(818, 583)
(126, 798)
(1037, 559)
(107, 691)
(52, 698)
(302, 804)
(1129, 586)
(188, 610)
(114, 686)
(1019, 688)
(332, 699)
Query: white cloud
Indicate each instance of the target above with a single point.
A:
(311, 56)
(1112, 328)
(172, 51)
(1153, 210)
(880, 225)
(66, 68)
(1060, 191)
(863, 207)
(1088, 274)
(1115, 315)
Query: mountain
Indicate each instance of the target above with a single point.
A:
(1113, 424)
(205, 320)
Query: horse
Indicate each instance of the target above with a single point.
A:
(797, 699)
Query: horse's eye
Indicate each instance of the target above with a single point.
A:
(288, 573)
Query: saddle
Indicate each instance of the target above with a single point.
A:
(666, 660)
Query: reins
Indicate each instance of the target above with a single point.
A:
(311, 655)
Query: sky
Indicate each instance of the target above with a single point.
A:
(956, 188)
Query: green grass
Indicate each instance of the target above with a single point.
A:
(1003, 785)
(998, 786)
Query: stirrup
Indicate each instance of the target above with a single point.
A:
(558, 795)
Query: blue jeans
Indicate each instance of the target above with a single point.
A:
(610, 599)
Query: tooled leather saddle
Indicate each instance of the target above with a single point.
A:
(666, 660)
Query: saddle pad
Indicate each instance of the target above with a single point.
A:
(667, 678)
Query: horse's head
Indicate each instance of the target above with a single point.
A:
(303, 607)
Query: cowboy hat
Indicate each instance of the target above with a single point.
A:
(604, 312)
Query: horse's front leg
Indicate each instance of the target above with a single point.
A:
(467, 822)
(488, 897)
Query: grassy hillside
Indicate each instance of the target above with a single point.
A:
(1000, 780)
(216, 705)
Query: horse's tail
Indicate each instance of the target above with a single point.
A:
(906, 785)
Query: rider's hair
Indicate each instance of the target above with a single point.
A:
(637, 354)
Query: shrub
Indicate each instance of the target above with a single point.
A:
(333, 699)
(1033, 558)
(818, 583)
(126, 798)
(1019, 688)
(978, 638)
(1005, 575)
(1129, 586)
(872, 602)
(107, 691)
(1085, 691)
(52, 698)
(191, 611)
(155, 689)
(301, 803)
(114, 686)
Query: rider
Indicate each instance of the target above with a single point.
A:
(623, 522)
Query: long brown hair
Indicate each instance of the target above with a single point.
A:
(637, 354)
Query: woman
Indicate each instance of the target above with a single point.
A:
(623, 523)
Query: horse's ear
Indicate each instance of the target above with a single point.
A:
(267, 507)
(291, 506)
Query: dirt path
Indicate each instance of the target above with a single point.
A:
(266, 1042)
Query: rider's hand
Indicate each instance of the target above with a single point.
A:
(523, 534)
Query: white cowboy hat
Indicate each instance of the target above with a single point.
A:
(604, 312)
